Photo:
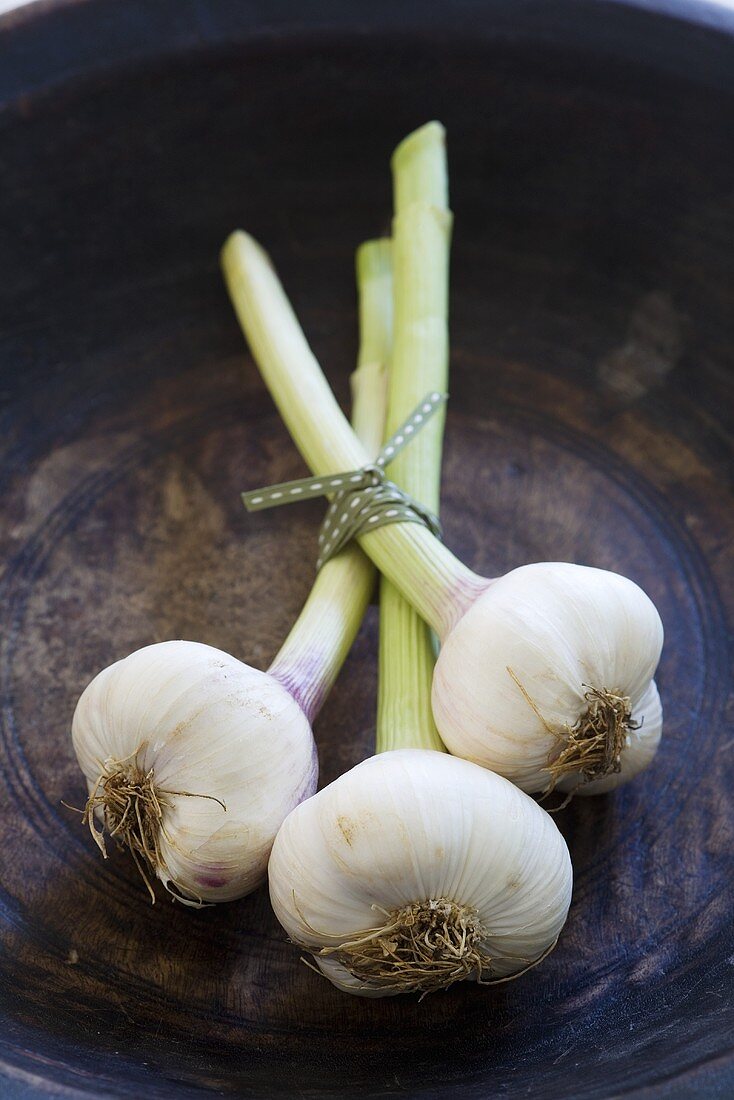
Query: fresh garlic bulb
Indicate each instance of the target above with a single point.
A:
(547, 679)
(195, 759)
(415, 870)
(192, 758)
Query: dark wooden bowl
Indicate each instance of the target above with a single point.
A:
(591, 159)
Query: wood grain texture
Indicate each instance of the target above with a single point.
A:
(590, 420)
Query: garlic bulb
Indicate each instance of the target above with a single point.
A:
(415, 870)
(192, 758)
(548, 679)
(195, 758)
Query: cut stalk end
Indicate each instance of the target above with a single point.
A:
(373, 260)
(419, 173)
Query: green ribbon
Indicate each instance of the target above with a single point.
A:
(363, 499)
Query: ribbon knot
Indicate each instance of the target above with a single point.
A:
(362, 499)
(377, 473)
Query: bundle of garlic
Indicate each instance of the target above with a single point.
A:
(192, 758)
(545, 675)
(416, 870)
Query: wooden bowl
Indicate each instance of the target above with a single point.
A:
(591, 166)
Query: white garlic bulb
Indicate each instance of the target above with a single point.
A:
(547, 679)
(416, 869)
(193, 759)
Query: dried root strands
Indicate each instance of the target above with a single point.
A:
(592, 749)
(420, 948)
(130, 807)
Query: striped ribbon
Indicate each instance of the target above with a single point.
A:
(363, 499)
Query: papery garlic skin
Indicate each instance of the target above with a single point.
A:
(206, 724)
(556, 629)
(409, 826)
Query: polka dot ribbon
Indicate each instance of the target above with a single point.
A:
(363, 499)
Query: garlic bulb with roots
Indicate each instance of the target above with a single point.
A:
(192, 758)
(416, 869)
(545, 675)
(558, 663)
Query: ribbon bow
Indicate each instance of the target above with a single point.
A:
(363, 499)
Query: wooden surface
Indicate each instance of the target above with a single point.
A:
(590, 420)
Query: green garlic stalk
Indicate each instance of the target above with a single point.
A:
(419, 365)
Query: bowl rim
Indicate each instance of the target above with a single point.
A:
(700, 33)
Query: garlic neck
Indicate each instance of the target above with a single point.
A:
(310, 658)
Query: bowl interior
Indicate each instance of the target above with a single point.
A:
(591, 355)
